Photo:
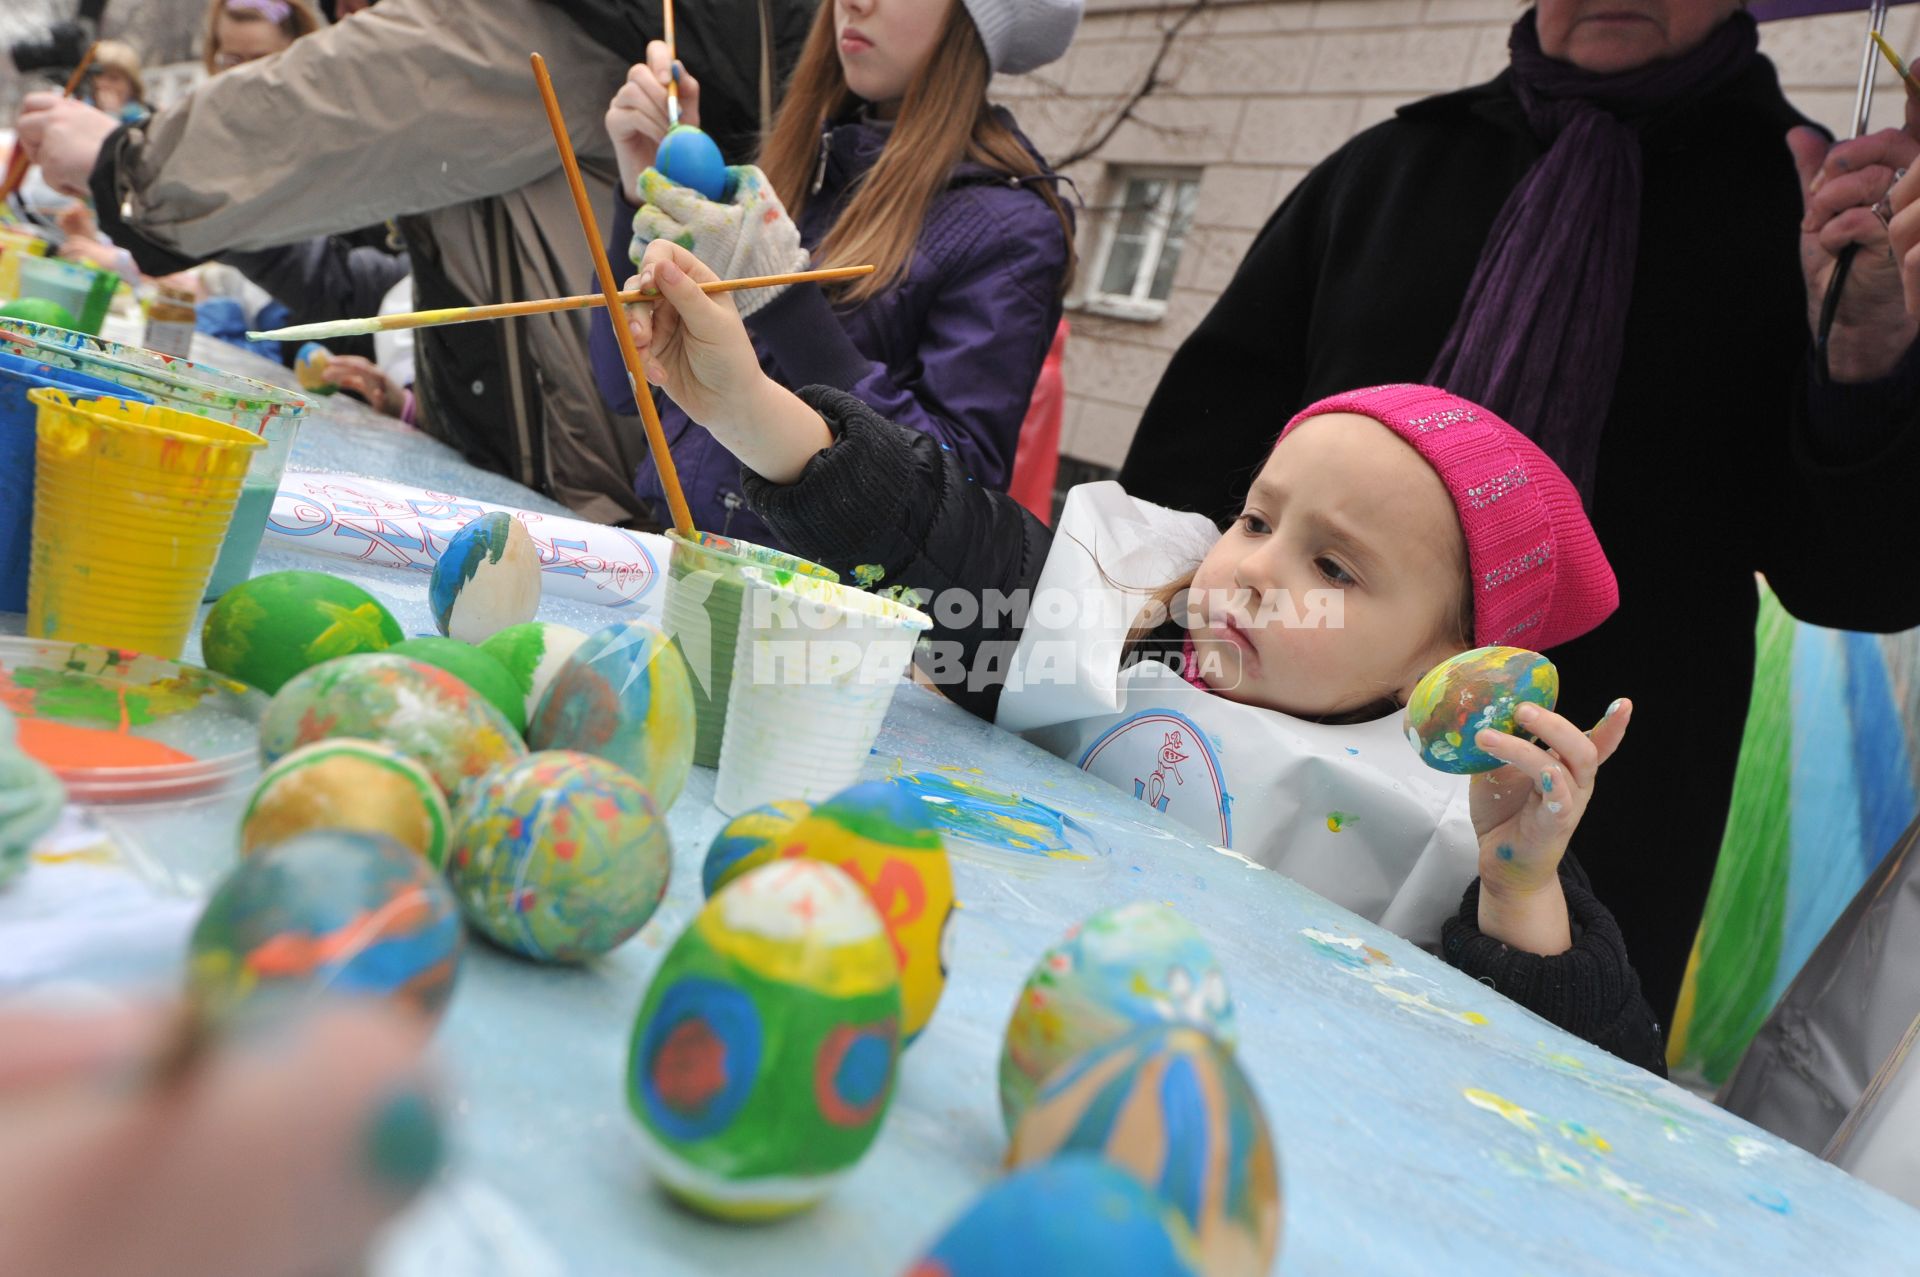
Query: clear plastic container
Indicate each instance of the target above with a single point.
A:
(84, 291)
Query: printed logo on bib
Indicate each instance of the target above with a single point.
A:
(1165, 761)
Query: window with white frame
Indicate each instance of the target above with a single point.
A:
(1143, 230)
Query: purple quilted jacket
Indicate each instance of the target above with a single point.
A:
(954, 349)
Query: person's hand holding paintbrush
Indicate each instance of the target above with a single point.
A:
(276, 1154)
(1903, 217)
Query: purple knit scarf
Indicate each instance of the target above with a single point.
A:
(1539, 336)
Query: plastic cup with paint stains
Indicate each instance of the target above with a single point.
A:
(131, 502)
(815, 667)
(705, 584)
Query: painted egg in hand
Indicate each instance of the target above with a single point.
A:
(1468, 693)
(884, 837)
(688, 157)
(331, 913)
(559, 857)
(1136, 964)
(532, 654)
(266, 630)
(424, 712)
(624, 695)
(486, 579)
(1072, 1214)
(749, 840)
(348, 784)
(763, 1057)
(1171, 1106)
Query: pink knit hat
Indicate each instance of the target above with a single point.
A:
(1540, 577)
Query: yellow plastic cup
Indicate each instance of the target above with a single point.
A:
(131, 502)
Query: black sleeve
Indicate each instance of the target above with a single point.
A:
(1591, 990)
(888, 499)
(1844, 518)
(109, 193)
(1228, 382)
(326, 277)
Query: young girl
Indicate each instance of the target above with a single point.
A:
(1389, 529)
(885, 151)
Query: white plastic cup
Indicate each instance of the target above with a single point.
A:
(815, 666)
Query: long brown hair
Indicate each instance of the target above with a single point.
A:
(944, 119)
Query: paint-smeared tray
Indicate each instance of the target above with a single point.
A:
(1007, 830)
(122, 727)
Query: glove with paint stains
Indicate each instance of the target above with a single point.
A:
(748, 234)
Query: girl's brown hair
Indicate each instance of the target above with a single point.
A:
(943, 120)
(300, 21)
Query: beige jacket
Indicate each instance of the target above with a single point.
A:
(423, 107)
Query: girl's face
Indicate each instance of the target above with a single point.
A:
(884, 44)
(238, 41)
(112, 90)
(1611, 36)
(1345, 505)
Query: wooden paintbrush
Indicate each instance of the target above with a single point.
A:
(610, 293)
(508, 310)
(673, 64)
(1899, 67)
(17, 165)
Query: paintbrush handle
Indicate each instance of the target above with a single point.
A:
(17, 162)
(673, 69)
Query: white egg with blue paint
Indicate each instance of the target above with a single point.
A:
(487, 579)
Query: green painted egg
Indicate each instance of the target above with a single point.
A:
(764, 1054)
(533, 653)
(475, 668)
(421, 710)
(560, 857)
(1463, 695)
(266, 630)
(39, 310)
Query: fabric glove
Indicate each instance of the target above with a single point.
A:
(749, 234)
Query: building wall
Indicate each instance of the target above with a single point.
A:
(1256, 92)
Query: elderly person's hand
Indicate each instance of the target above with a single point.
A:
(1903, 228)
(63, 136)
(1844, 185)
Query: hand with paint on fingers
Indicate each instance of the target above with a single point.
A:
(272, 1158)
(695, 347)
(637, 116)
(1525, 814)
(1842, 184)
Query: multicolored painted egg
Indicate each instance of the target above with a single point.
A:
(486, 579)
(475, 668)
(1170, 1105)
(763, 1057)
(310, 369)
(885, 838)
(532, 654)
(425, 713)
(625, 695)
(1073, 1214)
(1136, 964)
(332, 912)
(1466, 694)
(348, 784)
(266, 630)
(560, 857)
(752, 838)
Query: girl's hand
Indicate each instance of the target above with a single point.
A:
(749, 234)
(1526, 812)
(637, 116)
(695, 348)
(363, 377)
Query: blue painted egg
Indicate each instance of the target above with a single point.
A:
(1137, 964)
(1466, 694)
(332, 912)
(486, 579)
(625, 696)
(560, 857)
(1073, 1214)
(690, 158)
(1171, 1106)
(749, 839)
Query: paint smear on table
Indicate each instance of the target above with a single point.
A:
(1567, 1152)
(975, 813)
(1422, 1004)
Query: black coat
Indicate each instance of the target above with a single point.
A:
(889, 494)
(1724, 455)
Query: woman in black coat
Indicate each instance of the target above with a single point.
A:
(1609, 245)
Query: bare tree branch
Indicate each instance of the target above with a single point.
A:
(1090, 142)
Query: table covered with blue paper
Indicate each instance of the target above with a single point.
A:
(1410, 1119)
